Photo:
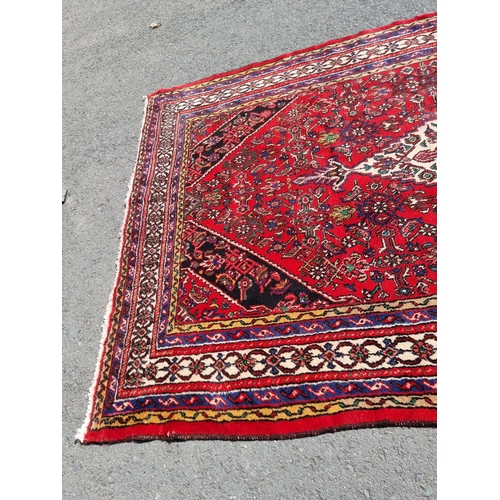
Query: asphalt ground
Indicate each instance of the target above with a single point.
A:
(111, 59)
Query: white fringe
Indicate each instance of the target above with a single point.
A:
(80, 435)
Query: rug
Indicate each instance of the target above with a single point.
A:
(277, 272)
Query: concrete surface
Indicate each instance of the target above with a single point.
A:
(111, 58)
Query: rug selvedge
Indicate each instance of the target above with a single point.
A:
(278, 257)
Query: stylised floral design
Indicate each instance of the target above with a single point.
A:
(317, 272)
(212, 262)
(327, 138)
(245, 362)
(423, 349)
(212, 198)
(150, 371)
(196, 366)
(277, 274)
(358, 353)
(302, 357)
(342, 212)
(354, 267)
(243, 228)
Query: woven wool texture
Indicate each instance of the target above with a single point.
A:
(277, 271)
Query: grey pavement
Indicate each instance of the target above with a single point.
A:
(111, 59)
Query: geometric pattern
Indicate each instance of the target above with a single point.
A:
(277, 271)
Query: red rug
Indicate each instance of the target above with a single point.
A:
(277, 274)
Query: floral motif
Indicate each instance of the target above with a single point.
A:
(278, 265)
(342, 212)
(327, 138)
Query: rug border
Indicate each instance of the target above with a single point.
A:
(108, 314)
(86, 436)
(256, 64)
(269, 431)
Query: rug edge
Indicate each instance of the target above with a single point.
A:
(83, 430)
(256, 64)
(361, 419)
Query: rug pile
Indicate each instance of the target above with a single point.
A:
(277, 272)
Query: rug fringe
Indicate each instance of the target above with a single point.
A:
(80, 434)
